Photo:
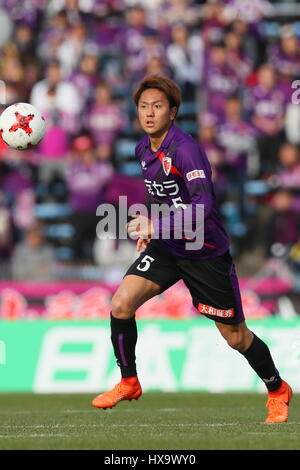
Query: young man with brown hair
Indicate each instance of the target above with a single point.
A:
(177, 173)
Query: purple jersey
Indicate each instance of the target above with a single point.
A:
(131, 41)
(269, 104)
(104, 121)
(220, 83)
(284, 64)
(289, 177)
(237, 139)
(179, 175)
(86, 185)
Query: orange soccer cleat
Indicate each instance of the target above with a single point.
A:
(278, 404)
(127, 389)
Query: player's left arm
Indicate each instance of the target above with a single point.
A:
(195, 168)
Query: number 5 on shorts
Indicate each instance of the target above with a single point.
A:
(145, 263)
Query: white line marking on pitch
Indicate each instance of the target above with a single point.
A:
(32, 436)
(106, 425)
(26, 412)
(170, 409)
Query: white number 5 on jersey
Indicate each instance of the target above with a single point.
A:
(145, 263)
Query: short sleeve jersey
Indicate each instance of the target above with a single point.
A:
(179, 175)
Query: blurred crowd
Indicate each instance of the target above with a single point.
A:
(78, 61)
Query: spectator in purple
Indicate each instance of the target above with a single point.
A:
(86, 77)
(283, 224)
(33, 258)
(53, 150)
(105, 119)
(11, 68)
(54, 96)
(238, 140)
(76, 9)
(220, 81)
(213, 22)
(76, 44)
(173, 11)
(251, 11)
(253, 43)
(32, 72)
(86, 181)
(288, 173)
(13, 94)
(17, 172)
(152, 48)
(25, 41)
(266, 104)
(131, 39)
(286, 56)
(245, 17)
(185, 56)
(237, 137)
(52, 36)
(151, 52)
(18, 179)
(207, 137)
(27, 11)
(154, 66)
(6, 238)
(236, 58)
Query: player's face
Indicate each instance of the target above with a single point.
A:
(154, 112)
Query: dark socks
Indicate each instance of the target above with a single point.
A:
(259, 357)
(124, 338)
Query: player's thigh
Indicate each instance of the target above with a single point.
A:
(131, 294)
(151, 273)
(214, 287)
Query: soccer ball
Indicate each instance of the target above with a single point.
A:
(22, 126)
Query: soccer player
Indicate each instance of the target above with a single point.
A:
(177, 173)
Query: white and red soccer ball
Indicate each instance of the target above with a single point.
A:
(22, 126)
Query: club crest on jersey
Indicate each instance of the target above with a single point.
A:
(167, 165)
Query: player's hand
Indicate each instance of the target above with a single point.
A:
(142, 243)
(140, 226)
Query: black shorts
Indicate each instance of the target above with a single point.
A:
(213, 283)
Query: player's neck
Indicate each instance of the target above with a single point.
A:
(157, 139)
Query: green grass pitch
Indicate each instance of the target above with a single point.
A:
(158, 421)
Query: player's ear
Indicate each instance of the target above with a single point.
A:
(173, 113)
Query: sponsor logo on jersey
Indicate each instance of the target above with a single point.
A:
(167, 164)
(191, 175)
(208, 310)
(143, 165)
(165, 188)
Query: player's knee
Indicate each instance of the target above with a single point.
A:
(121, 307)
(238, 337)
(239, 340)
(236, 341)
